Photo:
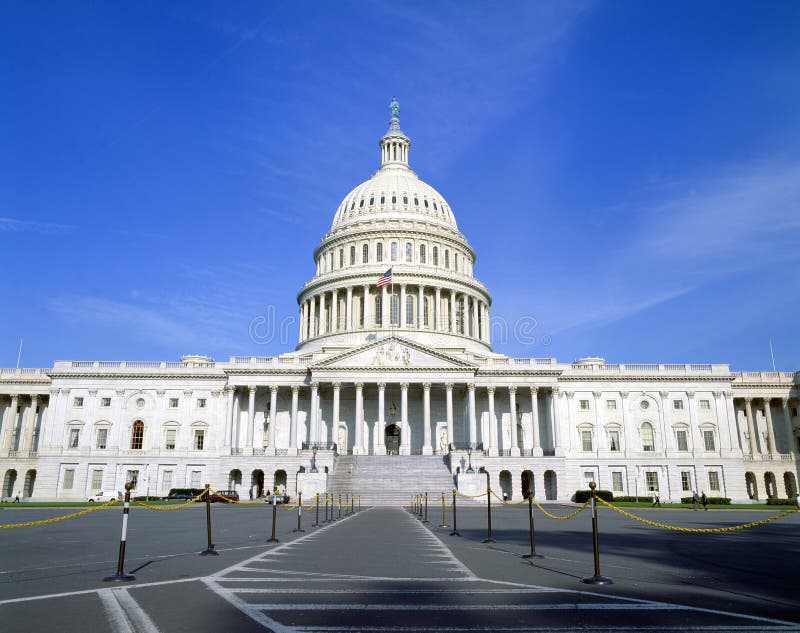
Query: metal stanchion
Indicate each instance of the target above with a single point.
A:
(359, 503)
(209, 551)
(299, 512)
(443, 524)
(340, 507)
(316, 518)
(273, 538)
(121, 576)
(488, 538)
(326, 507)
(597, 579)
(425, 520)
(352, 504)
(455, 523)
(533, 553)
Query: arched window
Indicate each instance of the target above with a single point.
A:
(137, 435)
(455, 262)
(394, 199)
(409, 310)
(379, 252)
(378, 309)
(352, 255)
(341, 258)
(394, 251)
(425, 317)
(405, 199)
(394, 312)
(365, 254)
(409, 252)
(648, 437)
(447, 259)
(422, 253)
(383, 199)
(371, 200)
(331, 264)
(435, 255)
(361, 204)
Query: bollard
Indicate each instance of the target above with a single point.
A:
(209, 551)
(425, 520)
(443, 524)
(597, 579)
(316, 518)
(273, 539)
(533, 553)
(352, 504)
(327, 496)
(299, 512)
(121, 575)
(340, 507)
(359, 503)
(488, 538)
(455, 523)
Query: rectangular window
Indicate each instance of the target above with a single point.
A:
(616, 481)
(132, 477)
(97, 480)
(613, 440)
(708, 440)
(74, 437)
(170, 443)
(588, 476)
(686, 480)
(173, 403)
(102, 438)
(705, 405)
(794, 412)
(199, 439)
(195, 479)
(683, 442)
(166, 482)
(584, 404)
(77, 401)
(611, 405)
(677, 405)
(201, 403)
(586, 440)
(713, 481)
(105, 402)
(651, 477)
(69, 478)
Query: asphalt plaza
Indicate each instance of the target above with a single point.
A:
(382, 569)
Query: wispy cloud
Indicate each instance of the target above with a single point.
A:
(12, 225)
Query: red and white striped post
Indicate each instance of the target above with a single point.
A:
(121, 576)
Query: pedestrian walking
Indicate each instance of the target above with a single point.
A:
(16, 499)
(704, 501)
(695, 500)
(656, 500)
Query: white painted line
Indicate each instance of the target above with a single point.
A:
(358, 592)
(564, 606)
(124, 612)
(531, 629)
(116, 616)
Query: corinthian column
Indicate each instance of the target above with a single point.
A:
(358, 448)
(427, 449)
(512, 419)
(405, 433)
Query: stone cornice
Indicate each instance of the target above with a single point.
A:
(220, 375)
(645, 378)
(377, 229)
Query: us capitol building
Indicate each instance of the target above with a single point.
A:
(395, 389)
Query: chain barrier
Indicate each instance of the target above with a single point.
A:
(566, 516)
(678, 528)
(508, 503)
(461, 494)
(172, 508)
(108, 504)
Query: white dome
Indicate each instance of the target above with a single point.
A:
(394, 192)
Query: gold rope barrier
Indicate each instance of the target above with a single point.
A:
(677, 528)
(61, 518)
(508, 503)
(566, 516)
(171, 508)
(461, 494)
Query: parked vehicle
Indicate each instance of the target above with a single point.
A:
(224, 496)
(104, 497)
(277, 498)
(179, 496)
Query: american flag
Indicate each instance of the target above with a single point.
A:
(386, 278)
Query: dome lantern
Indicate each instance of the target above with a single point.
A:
(394, 144)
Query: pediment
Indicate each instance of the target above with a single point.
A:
(393, 353)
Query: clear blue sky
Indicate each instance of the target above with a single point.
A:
(628, 172)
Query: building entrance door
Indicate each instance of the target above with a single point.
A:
(392, 439)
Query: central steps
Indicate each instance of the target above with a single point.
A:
(390, 480)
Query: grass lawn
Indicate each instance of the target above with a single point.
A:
(688, 506)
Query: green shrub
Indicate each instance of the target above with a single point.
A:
(712, 501)
(640, 499)
(776, 501)
(582, 496)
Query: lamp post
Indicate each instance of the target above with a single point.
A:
(470, 470)
(314, 459)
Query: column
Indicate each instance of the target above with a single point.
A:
(420, 307)
(335, 311)
(626, 432)
(228, 417)
(437, 308)
(451, 325)
(384, 307)
(558, 448)
(11, 423)
(787, 419)
(302, 321)
(323, 313)
(273, 417)
(492, 425)
(405, 433)
(29, 426)
(697, 440)
(251, 417)
(401, 316)
(320, 298)
(368, 323)
(381, 450)
(512, 416)
(723, 425)
(293, 423)
(450, 431)
(313, 431)
(733, 422)
(770, 431)
(487, 322)
(337, 386)
(598, 422)
(537, 440)
(751, 427)
(358, 447)
(348, 315)
(473, 419)
(427, 448)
